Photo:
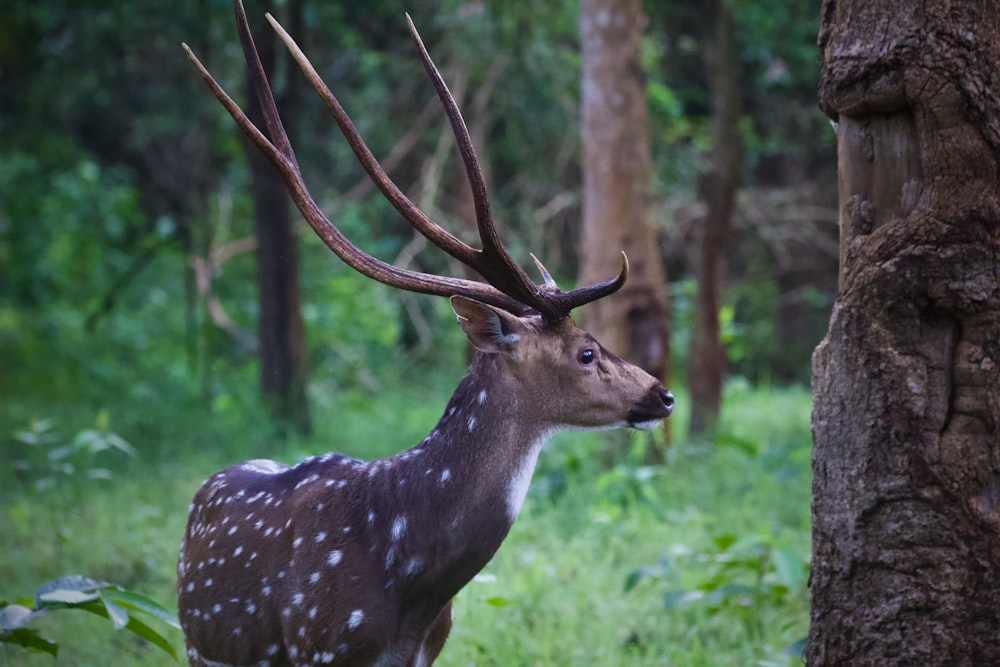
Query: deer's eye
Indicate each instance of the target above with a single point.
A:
(587, 357)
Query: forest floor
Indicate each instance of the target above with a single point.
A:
(700, 561)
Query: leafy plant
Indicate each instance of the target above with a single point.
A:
(743, 576)
(46, 455)
(75, 592)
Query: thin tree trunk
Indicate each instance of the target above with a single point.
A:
(617, 172)
(281, 330)
(906, 512)
(718, 189)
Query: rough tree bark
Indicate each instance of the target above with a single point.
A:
(906, 512)
(718, 189)
(281, 331)
(617, 172)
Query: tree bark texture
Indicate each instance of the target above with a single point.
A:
(718, 189)
(906, 463)
(617, 172)
(281, 330)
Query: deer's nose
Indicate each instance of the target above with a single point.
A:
(668, 400)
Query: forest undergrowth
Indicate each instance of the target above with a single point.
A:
(698, 561)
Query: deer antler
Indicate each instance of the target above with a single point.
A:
(509, 286)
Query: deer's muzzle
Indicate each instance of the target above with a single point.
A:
(654, 407)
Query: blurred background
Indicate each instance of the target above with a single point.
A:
(163, 313)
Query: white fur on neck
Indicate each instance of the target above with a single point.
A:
(521, 479)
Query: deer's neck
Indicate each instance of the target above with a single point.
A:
(490, 439)
(455, 496)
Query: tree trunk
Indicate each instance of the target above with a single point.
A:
(906, 512)
(718, 189)
(281, 330)
(617, 171)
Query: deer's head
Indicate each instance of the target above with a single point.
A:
(568, 378)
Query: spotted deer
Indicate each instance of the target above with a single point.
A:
(341, 561)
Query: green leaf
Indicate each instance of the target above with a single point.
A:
(745, 445)
(730, 591)
(137, 602)
(118, 615)
(120, 443)
(796, 649)
(15, 616)
(134, 625)
(662, 568)
(674, 599)
(497, 601)
(633, 578)
(790, 568)
(149, 634)
(29, 639)
(72, 589)
(724, 541)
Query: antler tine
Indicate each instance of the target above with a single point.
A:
(354, 257)
(494, 263)
(434, 232)
(567, 301)
(258, 79)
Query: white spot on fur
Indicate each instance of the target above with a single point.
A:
(413, 566)
(320, 536)
(264, 466)
(354, 620)
(482, 397)
(445, 475)
(334, 558)
(398, 527)
(472, 423)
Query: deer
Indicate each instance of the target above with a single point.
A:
(340, 561)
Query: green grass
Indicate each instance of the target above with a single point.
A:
(555, 594)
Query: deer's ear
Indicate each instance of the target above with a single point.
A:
(489, 329)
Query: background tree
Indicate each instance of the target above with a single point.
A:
(281, 332)
(617, 176)
(907, 381)
(718, 190)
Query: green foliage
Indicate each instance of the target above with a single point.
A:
(745, 574)
(42, 456)
(119, 168)
(74, 592)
